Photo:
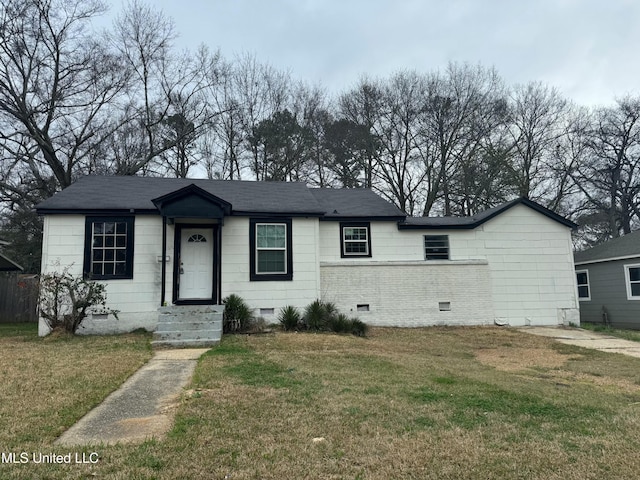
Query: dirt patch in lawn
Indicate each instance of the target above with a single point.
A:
(510, 358)
(514, 359)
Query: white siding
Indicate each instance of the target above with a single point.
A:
(515, 269)
(300, 291)
(529, 258)
(531, 262)
(137, 300)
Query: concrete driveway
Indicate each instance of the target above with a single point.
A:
(587, 339)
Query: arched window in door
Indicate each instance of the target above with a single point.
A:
(197, 238)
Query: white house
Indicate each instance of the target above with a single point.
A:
(186, 243)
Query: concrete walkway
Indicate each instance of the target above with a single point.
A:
(587, 339)
(142, 407)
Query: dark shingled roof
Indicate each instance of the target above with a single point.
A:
(480, 218)
(124, 194)
(8, 265)
(625, 246)
(115, 193)
(354, 202)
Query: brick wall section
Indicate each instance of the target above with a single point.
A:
(408, 294)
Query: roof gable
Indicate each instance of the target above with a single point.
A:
(192, 201)
(453, 223)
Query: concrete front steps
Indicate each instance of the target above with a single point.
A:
(188, 326)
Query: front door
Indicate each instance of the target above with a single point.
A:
(196, 264)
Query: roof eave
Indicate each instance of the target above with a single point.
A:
(8, 265)
(415, 226)
(361, 218)
(607, 259)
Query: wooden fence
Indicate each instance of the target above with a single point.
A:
(18, 298)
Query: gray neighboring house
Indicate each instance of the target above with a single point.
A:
(608, 279)
(6, 264)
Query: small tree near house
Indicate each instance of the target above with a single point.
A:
(65, 300)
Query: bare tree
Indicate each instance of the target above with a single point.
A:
(363, 106)
(223, 143)
(403, 147)
(58, 88)
(462, 110)
(248, 93)
(536, 128)
(609, 177)
(262, 91)
(389, 111)
(168, 97)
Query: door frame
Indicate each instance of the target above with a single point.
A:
(215, 266)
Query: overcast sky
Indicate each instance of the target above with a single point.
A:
(588, 49)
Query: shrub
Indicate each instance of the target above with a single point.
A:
(323, 316)
(340, 323)
(316, 316)
(237, 315)
(359, 328)
(65, 300)
(289, 318)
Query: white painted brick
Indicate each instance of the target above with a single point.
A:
(408, 294)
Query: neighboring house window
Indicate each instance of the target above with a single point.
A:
(632, 276)
(436, 247)
(355, 239)
(270, 249)
(108, 248)
(582, 278)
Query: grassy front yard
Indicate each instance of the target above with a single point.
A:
(476, 403)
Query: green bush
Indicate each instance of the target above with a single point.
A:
(340, 323)
(359, 328)
(289, 318)
(316, 316)
(324, 316)
(237, 316)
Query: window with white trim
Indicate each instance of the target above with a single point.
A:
(582, 279)
(632, 277)
(436, 247)
(355, 239)
(270, 244)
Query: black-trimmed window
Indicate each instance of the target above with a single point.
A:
(355, 239)
(108, 248)
(436, 247)
(270, 249)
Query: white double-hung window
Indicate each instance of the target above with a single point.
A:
(632, 278)
(270, 249)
